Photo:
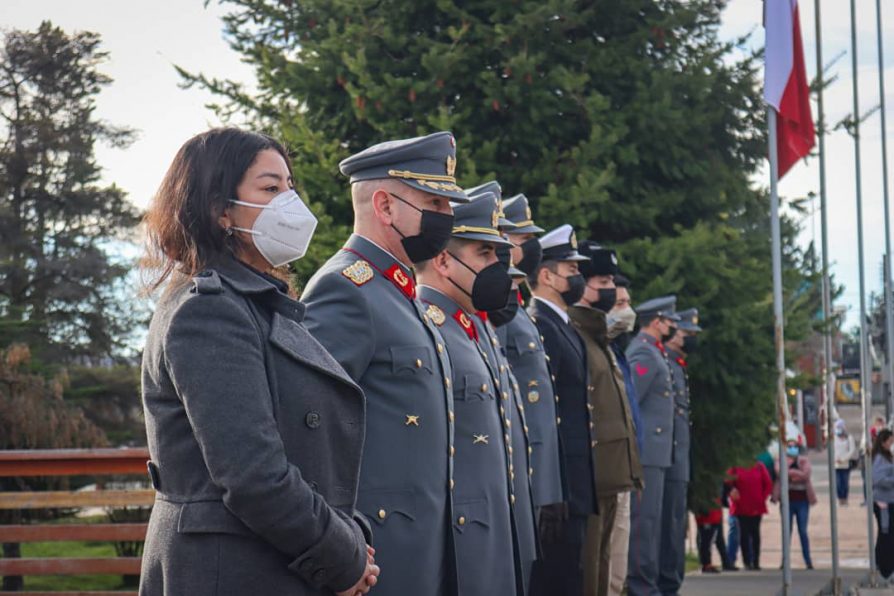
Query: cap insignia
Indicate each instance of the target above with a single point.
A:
(573, 240)
(495, 219)
(451, 165)
(528, 214)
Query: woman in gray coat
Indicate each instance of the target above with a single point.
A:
(254, 430)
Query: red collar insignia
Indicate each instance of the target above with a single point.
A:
(401, 281)
(482, 314)
(521, 301)
(660, 346)
(681, 361)
(466, 323)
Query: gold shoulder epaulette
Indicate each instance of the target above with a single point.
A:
(359, 272)
(436, 315)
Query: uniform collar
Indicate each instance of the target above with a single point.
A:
(589, 320)
(454, 311)
(385, 263)
(676, 357)
(552, 305)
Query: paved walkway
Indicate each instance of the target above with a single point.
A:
(852, 536)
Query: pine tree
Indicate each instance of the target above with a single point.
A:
(630, 120)
(60, 290)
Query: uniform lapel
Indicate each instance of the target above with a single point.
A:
(570, 334)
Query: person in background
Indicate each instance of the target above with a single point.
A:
(710, 531)
(749, 489)
(846, 455)
(883, 491)
(877, 424)
(801, 495)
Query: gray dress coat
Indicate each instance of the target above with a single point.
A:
(672, 565)
(654, 385)
(521, 472)
(482, 516)
(530, 365)
(361, 306)
(255, 434)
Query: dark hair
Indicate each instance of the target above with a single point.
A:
(878, 444)
(182, 230)
(551, 265)
(621, 281)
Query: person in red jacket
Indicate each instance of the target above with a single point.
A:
(750, 488)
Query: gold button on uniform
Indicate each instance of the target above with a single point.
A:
(558, 420)
(532, 345)
(452, 484)
(461, 521)
(512, 499)
(484, 387)
(382, 514)
(440, 348)
(447, 382)
(418, 363)
(451, 416)
(502, 368)
(452, 451)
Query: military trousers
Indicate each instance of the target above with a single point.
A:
(645, 534)
(672, 552)
(620, 545)
(559, 572)
(597, 548)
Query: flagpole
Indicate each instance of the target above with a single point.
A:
(781, 400)
(889, 307)
(827, 307)
(865, 396)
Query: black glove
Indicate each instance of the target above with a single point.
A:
(552, 522)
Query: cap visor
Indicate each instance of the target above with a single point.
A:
(529, 229)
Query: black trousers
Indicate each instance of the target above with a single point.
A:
(559, 570)
(884, 544)
(707, 535)
(750, 539)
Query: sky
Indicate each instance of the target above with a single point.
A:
(146, 40)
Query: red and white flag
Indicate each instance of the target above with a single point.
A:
(785, 82)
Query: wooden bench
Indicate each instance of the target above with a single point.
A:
(73, 462)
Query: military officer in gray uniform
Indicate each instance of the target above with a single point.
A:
(464, 278)
(362, 306)
(524, 349)
(654, 385)
(672, 562)
(521, 471)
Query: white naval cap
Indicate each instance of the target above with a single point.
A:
(560, 244)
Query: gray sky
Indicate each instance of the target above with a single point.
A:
(145, 39)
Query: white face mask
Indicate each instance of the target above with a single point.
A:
(282, 232)
(625, 316)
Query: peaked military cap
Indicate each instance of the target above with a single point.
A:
(518, 211)
(479, 220)
(426, 163)
(603, 261)
(665, 306)
(561, 245)
(493, 187)
(689, 320)
(489, 186)
(504, 255)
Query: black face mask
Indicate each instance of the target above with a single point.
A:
(669, 336)
(607, 299)
(434, 232)
(500, 317)
(690, 344)
(575, 291)
(491, 288)
(532, 254)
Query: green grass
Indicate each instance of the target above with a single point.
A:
(71, 550)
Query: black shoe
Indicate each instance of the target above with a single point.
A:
(756, 568)
(730, 568)
(809, 565)
(710, 569)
